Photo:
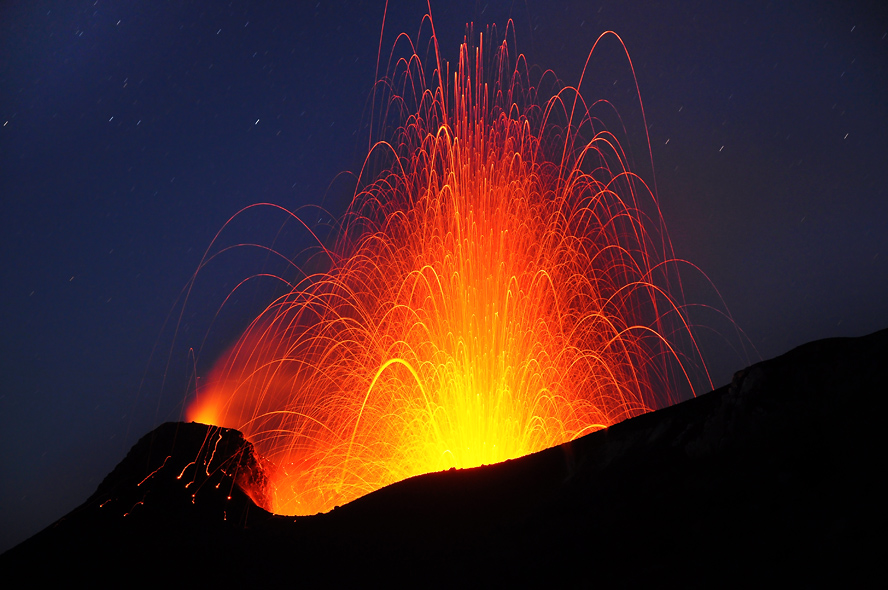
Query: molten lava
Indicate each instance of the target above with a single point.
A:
(502, 286)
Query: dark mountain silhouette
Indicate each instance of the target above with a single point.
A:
(776, 478)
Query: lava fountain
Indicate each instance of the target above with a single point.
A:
(504, 284)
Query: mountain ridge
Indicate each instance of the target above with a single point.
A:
(773, 476)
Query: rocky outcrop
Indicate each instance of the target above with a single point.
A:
(776, 477)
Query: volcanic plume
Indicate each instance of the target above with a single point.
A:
(502, 282)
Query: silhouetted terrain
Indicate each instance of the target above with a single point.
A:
(774, 478)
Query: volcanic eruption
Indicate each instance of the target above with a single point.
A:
(501, 282)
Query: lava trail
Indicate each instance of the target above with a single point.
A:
(502, 282)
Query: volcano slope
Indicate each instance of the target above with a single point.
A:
(774, 477)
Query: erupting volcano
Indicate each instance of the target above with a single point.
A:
(501, 282)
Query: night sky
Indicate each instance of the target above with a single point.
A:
(131, 132)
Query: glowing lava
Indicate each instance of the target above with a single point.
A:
(501, 287)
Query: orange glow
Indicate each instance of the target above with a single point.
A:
(504, 285)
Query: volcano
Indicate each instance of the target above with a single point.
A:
(773, 477)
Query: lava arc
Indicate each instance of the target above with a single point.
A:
(502, 282)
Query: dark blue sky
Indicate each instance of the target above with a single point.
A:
(130, 134)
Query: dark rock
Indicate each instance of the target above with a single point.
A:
(172, 498)
(774, 478)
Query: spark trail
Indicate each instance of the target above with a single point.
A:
(504, 284)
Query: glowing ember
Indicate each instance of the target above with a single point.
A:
(502, 286)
